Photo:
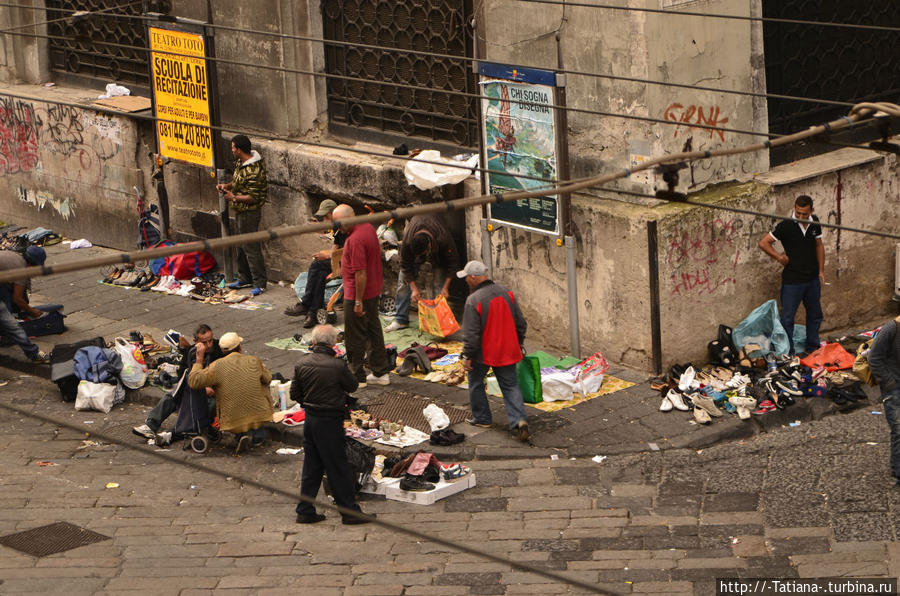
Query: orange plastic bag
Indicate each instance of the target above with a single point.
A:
(436, 318)
(832, 356)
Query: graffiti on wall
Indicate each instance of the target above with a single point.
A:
(703, 258)
(694, 117)
(42, 199)
(20, 127)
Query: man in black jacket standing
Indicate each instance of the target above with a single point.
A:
(321, 384)
(884, 360)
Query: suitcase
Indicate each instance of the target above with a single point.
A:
(51, 323)
(62, 366)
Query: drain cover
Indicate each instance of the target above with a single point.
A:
(51, 539)
(399, 405)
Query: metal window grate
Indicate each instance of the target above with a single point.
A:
(51, 539)
(430, 25)
(74, 48)
(839, 64)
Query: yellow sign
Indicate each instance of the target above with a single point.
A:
(181, 89)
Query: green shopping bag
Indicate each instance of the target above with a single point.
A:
(528, 373)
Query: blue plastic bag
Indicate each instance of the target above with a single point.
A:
(764, 320)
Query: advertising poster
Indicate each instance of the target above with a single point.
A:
(181, 92)
(520, 139)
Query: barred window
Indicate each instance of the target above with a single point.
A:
(438, 26)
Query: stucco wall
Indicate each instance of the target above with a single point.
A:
(70, 169)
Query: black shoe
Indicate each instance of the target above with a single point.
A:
(522, 431)
(415, 484)
(310, 518)
(439, 438)
(310, 322)
(355, 521)
(297, 310)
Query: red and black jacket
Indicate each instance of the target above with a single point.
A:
(493, 326)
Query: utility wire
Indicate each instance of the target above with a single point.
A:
(557, 577)
(857, 113)
(75, 13)
(469, 60)
(718, 16)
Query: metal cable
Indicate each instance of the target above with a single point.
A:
(717, 16)
(85, 13)
(856, 115)
(469, 59)
(558, 577)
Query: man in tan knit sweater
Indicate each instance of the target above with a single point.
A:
(241, 383)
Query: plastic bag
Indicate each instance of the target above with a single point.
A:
(763, 321)
(436, 417)
(861, 364)
(436, 318)
(590, 373)
(832, 356)
(528, 373)
(558, 386)
(428, 175)
(98, 396)
(134, 369)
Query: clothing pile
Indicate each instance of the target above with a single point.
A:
(419, 472)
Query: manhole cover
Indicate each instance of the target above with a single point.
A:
(51, 539)
(399, 405)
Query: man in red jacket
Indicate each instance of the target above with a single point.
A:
(493, 334)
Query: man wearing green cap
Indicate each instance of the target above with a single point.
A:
(317, 275)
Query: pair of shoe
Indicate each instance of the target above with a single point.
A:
(705, 403)
(144, 431)
(297, 310)
(395, 326)
(372, 379)
(743, 405)
(238, 285)
(364, 518)
(673, 399)
(688, 381)
(454, 472)
(765, 406)
(474, 422)
(310, 518)
(521, 431)
(415, 484)
(41, 357)
(446, 437)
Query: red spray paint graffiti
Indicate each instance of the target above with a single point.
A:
(701, 258)
(693, 115)
(19, 127)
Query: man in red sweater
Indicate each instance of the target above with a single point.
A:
(493, 334)
(363, 281)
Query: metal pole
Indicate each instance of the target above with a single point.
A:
(574, 332)
(479, 50)
(486, 246)
(652, 255)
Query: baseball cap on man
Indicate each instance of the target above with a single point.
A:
(230, 341)
(35, 255)
(325, 207)
(476, 268)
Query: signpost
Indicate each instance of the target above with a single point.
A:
(519, 134)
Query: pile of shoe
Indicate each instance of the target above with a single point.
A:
(421, 471)
(131, 277)
(448, 376)
(446, 437)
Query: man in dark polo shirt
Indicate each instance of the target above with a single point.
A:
(804, 269)
(363, 281)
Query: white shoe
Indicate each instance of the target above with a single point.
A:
(163, 439)
(687, 379)
(676, 400)
(144, 431)
(395, 326)
(384, 379)
(666, 405)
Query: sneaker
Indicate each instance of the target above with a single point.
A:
(521, 431)
(237, 285)
(415, 484)
(163, 439)
(474, 422)
(706, 403)
(702, 416)
(687, 379)
(384, 379)
(40, 358)
(257, 291)
(396, 325)
(765, 407)
(788, 387)
(666, 405)
(297, 310)
(677, 401)
(742, 402)
(455, 472)
(144, 431)
(310, 518)
(355, 521)
(172, 338)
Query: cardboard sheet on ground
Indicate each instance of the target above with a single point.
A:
(610, 384)
(251, 305)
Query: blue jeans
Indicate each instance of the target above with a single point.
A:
(791, 297)
(12, 331)
(892, 416)
(404, 293)
(509, 386)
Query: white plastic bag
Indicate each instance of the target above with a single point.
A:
(98, 396)
(436, 417)
(558, 386)
(134, 369)
(428, 175)
(590, 373)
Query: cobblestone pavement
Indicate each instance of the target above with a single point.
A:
(810, 501)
